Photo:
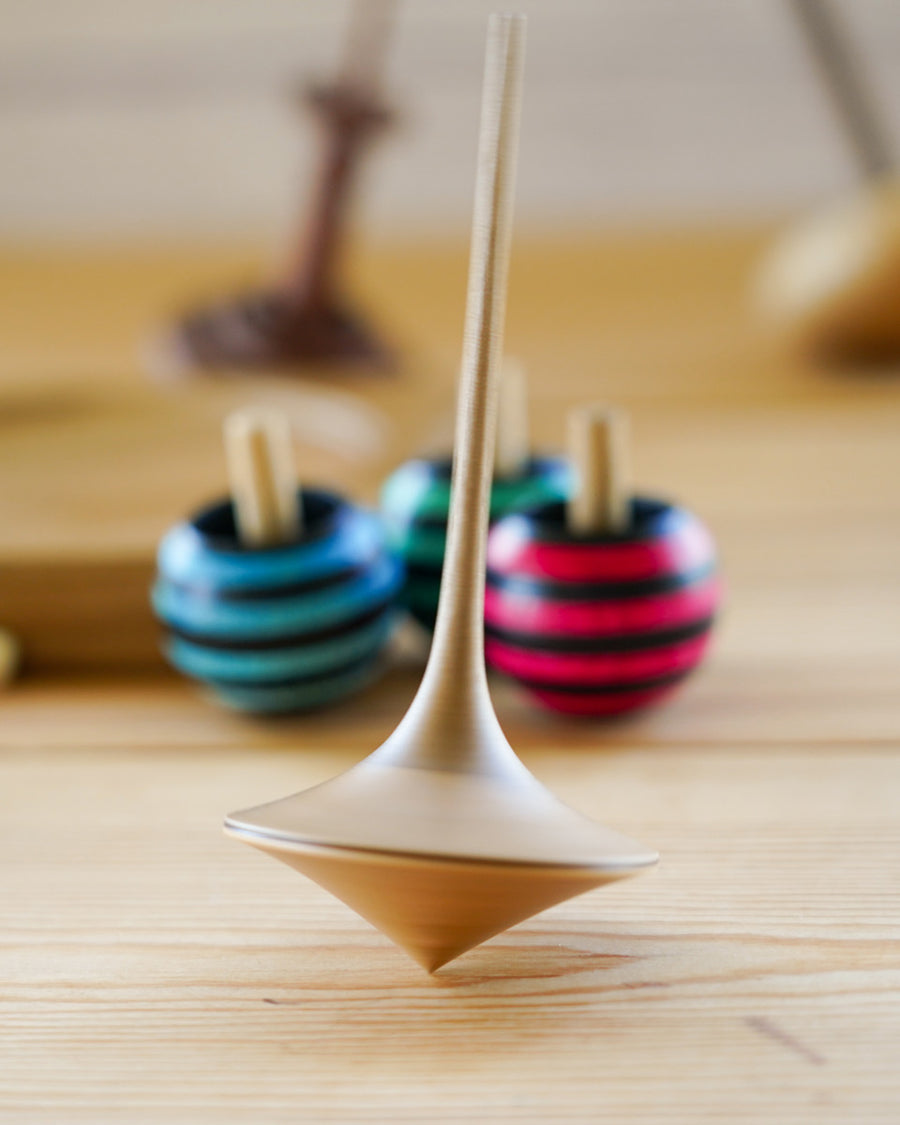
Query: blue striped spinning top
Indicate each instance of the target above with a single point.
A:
(279, 599)
(278, 628)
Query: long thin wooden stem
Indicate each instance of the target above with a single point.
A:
(458, 647)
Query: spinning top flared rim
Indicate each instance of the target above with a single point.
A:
(274, 841)
(400, 811)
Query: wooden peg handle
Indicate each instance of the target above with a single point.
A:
(259, 451)
(512, 451)
(598, 449)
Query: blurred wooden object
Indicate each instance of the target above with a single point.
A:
(152, 969)
(598, 447)
(512, 449)
(263, 480)
(832, 282)
(842, 72)
(305, 320)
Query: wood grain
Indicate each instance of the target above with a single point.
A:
(153, 971)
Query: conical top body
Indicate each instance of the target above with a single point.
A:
(440, 860)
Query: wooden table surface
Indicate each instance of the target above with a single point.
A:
(151, 970)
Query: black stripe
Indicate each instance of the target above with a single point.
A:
(269, 593)
(537, 468)
(321, 511)
(629, 687)
(427, 618)
(426, 523)
(424, 571)
(297, 681)
(597, 591)
(648, 522)
(620, 642)
(294, 640)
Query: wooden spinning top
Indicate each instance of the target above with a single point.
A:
(441, 837)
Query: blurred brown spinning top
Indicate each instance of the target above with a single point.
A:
(832, 281)
(305, 320)
(441, 837)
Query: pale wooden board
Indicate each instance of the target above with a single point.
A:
(156, 971)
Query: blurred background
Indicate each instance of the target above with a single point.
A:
(158, 160)
(174, 118)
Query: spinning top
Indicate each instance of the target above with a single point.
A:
(278, 599)
(602, 604)
(441, 837)
(832, 282)
(415, 499)
(305, 320)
